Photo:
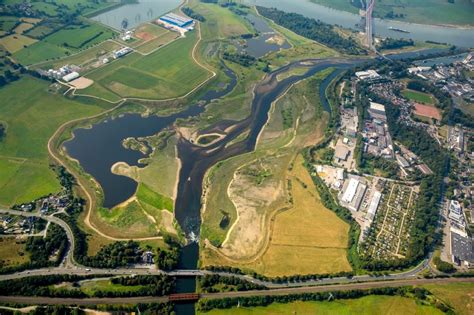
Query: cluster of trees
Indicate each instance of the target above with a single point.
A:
(117, 254)
(443, 266)
(394, 43)
(152, 285)
(282, 279)
(242, 59)
(192, 14)
(207, 284)
(8, 77)
(42, 286)
(3, 131)
(253, 301)
(44, 252)
(167, 259)
(312, 29)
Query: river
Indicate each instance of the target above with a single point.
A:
(462, 37)
(136, 13)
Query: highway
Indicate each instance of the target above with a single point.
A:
(284, 291)
(369, 24)
(71, 267)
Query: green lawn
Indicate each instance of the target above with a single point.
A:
(369, 305)
(417, 11)
(156, 200)
(32, 115)
(419, 97)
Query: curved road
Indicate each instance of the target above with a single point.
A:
(220, 295)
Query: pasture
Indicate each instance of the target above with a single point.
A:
(419, 97)
(32, 115)
(368, 305)
(168, 72)
(23, 27)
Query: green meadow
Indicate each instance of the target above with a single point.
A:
(32, 115)
(369, 305)
(166, 73)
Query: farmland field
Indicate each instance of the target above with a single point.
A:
(168, 72)
(62, 43)
(368, 305)
(16, 42)
(32, 115)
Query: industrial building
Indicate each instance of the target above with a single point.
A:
(122, 52)
(177, 20)
(462, 251)
(341, 153)
(70, 76)
(352, 194)
(377, 111)
(367, 75)
(374, 204)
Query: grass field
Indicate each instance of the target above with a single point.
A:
(416, 11)
(7, 23)
(82, 58)
(168, 72)
(23, 27)
(32, 115)
(460, 296)
(63, 43)
(419, 97)
(16, 42)
(12, 252)
(369, 305)
(220, 22)
(89, 287)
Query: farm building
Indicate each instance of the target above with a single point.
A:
(176, 20)
(71, 76)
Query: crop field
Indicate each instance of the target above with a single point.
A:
(460, 296)
(416, 11)
(23, 27)
(368, 305)
(12, 252)
(16, 42)
(32, 115)
(419, 97)
(168, 72)
(389, 234)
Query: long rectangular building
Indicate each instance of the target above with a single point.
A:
(176, 20)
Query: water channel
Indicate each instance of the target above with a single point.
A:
(462, 37)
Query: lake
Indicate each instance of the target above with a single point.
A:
(441, 34)
(136, 13)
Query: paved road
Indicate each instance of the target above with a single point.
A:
(69, 259)
(284, 291)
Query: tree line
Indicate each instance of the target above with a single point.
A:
(208, 284)
(312, 29)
